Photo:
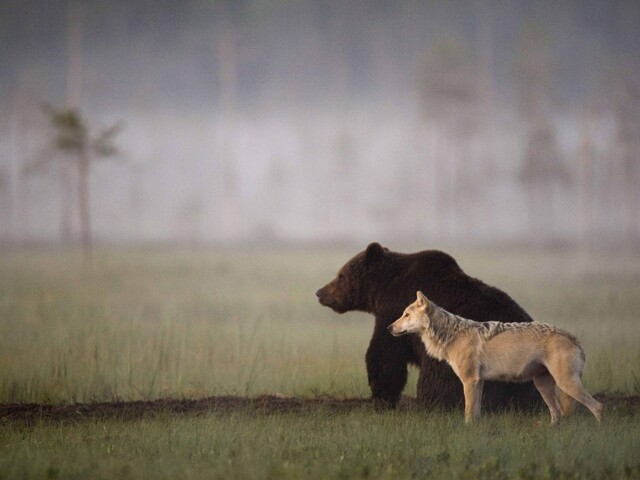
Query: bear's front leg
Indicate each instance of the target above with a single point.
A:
(386, 367)
(438, 386)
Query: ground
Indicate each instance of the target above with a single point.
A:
(31, 413)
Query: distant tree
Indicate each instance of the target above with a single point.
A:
(542, 161)
(76, 13)
(343, 179)
(190, 217)
(74, 140)
(533, 70)
(447, 97)
(26, 127)
(278, 182)
(5, 200)
(227, 36)
(587, 155)
(445, 80)
(486, 150)
(627, 116)
(542, 172)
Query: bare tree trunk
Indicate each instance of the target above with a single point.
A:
(74, 99)
(338, 61)
(627, 106)
(630, 195)
(226, 52)
(14, 176)
(487, 124)
(453, 192)
(440, 185)
(538, 221)
(66, 194)
(83, 203)
(22, 154)
(75, 54)
(585, 179)
(384, 71)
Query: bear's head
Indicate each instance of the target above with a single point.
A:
(349, 290)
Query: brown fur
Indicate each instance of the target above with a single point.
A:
(383, 283)
(512, 352)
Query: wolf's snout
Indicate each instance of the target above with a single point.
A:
(396, 331)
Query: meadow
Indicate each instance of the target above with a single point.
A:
(141, 325)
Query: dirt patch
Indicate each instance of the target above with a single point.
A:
(31, 413)
(626, 404)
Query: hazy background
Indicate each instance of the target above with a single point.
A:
(326, 121)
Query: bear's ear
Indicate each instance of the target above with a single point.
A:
(373, 252)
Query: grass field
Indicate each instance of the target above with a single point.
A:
(318, 444)
(158, 324)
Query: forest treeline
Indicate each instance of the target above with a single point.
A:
(252, 120)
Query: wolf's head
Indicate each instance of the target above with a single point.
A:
(414, 319)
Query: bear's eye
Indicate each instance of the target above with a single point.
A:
(341, 277)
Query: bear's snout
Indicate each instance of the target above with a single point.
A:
(323, 298)
(327, 297)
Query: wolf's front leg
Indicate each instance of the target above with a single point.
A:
(386, 367)
(471, 400)
(478, 404)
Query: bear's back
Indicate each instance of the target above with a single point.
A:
(441, 279)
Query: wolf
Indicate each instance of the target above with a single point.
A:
(511, 352)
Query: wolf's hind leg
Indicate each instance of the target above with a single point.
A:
(573, 386)
(566, 366)
(546, 385)
(567, 403)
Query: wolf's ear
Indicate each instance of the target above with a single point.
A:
(373, 252)
(422, 300)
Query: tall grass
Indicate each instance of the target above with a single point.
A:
(321, 444)
(154, 325)
(143, 325)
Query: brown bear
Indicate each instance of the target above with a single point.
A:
(383, 283)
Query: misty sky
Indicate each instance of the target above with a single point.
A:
(305, 120)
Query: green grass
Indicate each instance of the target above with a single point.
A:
(141, 325)
(321, 444)
(147, 325)
(157, 325)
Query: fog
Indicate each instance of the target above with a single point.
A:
(324, 121)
